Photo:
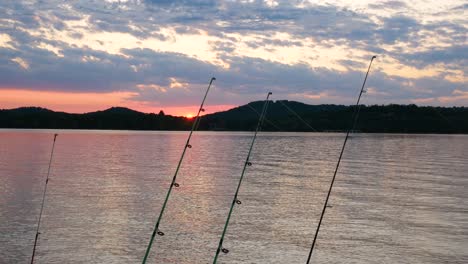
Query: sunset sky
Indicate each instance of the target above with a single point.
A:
(87, 55)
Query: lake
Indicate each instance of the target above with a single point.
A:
(397, 198)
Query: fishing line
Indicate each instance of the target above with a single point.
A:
(297, 115)
(290, 110)
(235, 200)
(355, 117)
(43, 201)
(265, 119)
(174, 183)
(198, 121)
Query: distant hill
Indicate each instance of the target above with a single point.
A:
(372, 119)
(282, 116)
(119, 118)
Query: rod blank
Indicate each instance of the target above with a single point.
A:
(43, 201)
(174, 183)
(235, 200)
(354, 118)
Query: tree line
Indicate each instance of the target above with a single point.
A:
(282, 115)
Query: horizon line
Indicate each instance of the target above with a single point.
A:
(274, 101)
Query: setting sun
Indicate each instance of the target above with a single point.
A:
(189, 115)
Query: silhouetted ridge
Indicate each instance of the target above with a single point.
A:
(31, 109)
(119, 118)
(117, 110)
(373, 119)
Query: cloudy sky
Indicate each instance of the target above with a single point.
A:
(87, 55)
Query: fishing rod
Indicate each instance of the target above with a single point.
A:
(235, 200)
(354, 118)
(43, 201)
(174, 183)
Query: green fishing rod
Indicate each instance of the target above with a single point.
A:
(174, 183)
(354, 118)
(43, 201)
(247, 163)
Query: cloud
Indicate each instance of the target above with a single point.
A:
(398, 28)
(454, 54)
(388, 5)
(21, 62)
(456, 98)
(165, 52)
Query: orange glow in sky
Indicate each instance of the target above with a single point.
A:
(151, 65)
(90, 102)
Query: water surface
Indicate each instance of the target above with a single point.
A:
(397, 199)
